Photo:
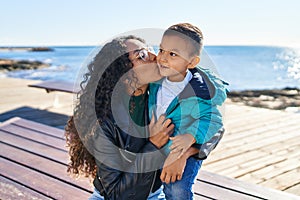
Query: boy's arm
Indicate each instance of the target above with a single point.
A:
(207, 122)
(173, 167)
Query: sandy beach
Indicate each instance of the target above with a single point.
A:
(260, 146)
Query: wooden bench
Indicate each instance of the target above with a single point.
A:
(61, 86)
(56, 86)
(34, 162)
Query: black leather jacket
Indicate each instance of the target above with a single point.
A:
(128, 166)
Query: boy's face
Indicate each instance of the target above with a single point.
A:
(174, 57)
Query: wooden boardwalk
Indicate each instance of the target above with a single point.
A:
(34, 160)
(260, 146)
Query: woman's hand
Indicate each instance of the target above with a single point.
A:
(160, 130)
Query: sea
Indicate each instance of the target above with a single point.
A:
(243, 67)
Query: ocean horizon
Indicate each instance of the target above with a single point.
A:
(243, 67)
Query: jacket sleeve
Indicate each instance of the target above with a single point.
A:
(207, 120)
(207, 128)
(206, 148)
(120, 172)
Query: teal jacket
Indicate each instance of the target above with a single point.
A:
(196, 109)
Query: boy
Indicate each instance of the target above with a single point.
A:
(189, 96)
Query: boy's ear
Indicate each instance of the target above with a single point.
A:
(194, 62)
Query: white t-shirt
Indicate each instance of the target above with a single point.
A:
(168, 91)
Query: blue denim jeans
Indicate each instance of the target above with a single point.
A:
(157, 195)
(183, 189)
(96, 195)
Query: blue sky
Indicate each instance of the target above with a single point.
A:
(91, 22)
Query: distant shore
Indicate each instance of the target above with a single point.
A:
(26, 49)
(277, 99)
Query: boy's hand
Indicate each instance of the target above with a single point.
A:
(181, 143)
(160, 131)
(173, 168)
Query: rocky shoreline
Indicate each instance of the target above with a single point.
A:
(12, 65)
(26, 49)
(277, 99)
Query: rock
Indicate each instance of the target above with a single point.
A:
(26, 49)
(293, 109)
(273, 99)
(11, 65)
(266, 98)
(41, 49)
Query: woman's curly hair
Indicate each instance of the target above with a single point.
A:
(94, 103)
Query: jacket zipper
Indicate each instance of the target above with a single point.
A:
(153, 181)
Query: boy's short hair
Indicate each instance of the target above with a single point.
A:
(188, 32)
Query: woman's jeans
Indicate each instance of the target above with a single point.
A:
(183, 189)
(157, 195)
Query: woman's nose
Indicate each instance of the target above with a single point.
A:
(152, 57)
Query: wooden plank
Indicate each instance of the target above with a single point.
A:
(34, 114)
(295, 189)
(36, 136)
(13, 190)
(284, 180)
(36, 126)
(271, 148)
(234, 161)
(241, 168)
(259, 131)
(198, 197)
(43, 165)
(61, 86)
(242, 187)
(260, 142)
(271, 171)
(35, 148)
(247, 167)
(237, 124)
(216, 192)
(41, 183)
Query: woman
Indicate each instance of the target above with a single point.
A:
(107, 137)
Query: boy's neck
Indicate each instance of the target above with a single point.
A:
(178, 77)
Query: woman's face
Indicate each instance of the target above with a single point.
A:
(144, 63)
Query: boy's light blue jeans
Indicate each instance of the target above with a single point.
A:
(157, 195)
(183, 189)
